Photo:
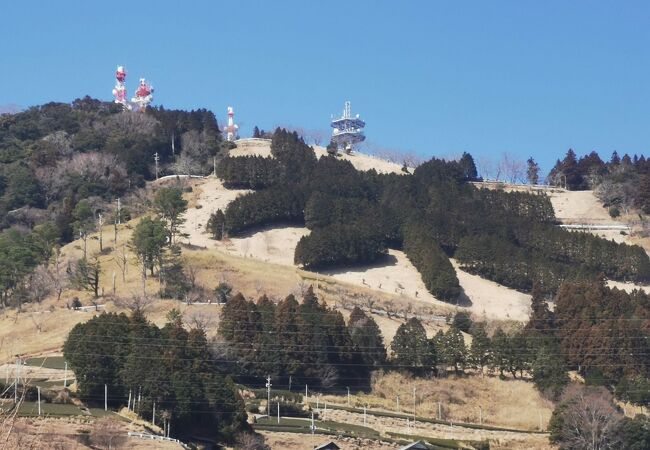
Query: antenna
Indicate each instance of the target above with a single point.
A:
(232, 128)
(347, 130)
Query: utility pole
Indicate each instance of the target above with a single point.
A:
(128, 404)
(268, 393)
(289, 383)
(65, 375)
(153, 416)
(313, 428)
(100, 222)
(16, 384)
(214, 165)
(306, 395)
(39, 400)
(278, 413)
(156, 158)
(348, 396)
(119, 212)
(414, 402)
(105, 397)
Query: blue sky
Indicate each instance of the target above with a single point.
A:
(432, 77)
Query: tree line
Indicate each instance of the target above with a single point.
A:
(621, 183)
(306, 341)
(170, 366)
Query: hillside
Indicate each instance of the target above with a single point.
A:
(368, 276)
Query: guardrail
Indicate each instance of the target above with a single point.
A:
(594, 226)
(154, 437)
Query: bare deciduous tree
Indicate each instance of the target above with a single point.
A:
(108, 434)
(135, 303)
(186, 165)
(39, 283)
(57, 274)
(202, 320)
(121, 259)
(250, 441)
(590, 421)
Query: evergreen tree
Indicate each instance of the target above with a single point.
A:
(532, 172)
(500, 349)
(411, 349)
(148, 243)
(367, 338)
(462, 321)
(216, 225)
(95, 351)
(549, 371)
(289, 336)
(170, 206)
(176, 283)
(467, 167)
(480, 352)
(453, 351)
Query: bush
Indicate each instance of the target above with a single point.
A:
(462, 321)
(614, 212)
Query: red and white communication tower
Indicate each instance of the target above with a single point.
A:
(119, 91)
(232, 128)
(143, 95)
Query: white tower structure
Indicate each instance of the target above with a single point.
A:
(348, 130)
(232, 128)
(143, 95)
(119, 91)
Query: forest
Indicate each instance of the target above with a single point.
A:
(432, 214)
(63, 167)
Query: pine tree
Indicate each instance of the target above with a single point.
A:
(500, 351)
(532, 172)
(480, 353)
(290, 336)
(411, 349)
(467, 167)
(367, 338)
(549, 370)
(176, 284)
(454, 352)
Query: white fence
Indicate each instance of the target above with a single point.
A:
(596, 227)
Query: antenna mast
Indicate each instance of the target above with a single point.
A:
(347, 130)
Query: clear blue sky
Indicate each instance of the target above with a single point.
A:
(433, 77)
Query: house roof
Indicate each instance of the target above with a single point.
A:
(328, 446)
(418, 445)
